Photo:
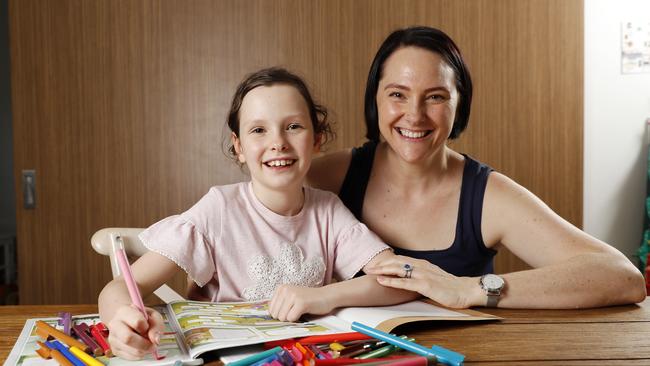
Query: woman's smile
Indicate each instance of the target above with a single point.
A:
(413, 134)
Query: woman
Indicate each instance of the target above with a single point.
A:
(447, 214)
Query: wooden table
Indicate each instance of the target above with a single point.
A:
(609, 336)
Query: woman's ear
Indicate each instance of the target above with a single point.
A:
(236, 143)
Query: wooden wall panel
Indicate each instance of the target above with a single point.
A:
(119, 105)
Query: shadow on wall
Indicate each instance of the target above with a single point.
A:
(629, 208)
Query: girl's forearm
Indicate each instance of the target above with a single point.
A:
(364, 291)
(114, 295)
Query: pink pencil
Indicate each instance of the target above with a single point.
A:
(134, 292)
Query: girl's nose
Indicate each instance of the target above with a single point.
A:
(278, 146)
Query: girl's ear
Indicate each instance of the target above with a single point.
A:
(318, 138)
(236, 143)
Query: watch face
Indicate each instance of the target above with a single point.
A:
(492, 282)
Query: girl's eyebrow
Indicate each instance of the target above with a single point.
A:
(295, 115)
(404, 87)
(257, 121)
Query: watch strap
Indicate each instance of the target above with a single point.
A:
(492, 300)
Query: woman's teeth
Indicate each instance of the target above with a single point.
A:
(412, 134)
(280, 162)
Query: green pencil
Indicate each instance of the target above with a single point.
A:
(383, 351)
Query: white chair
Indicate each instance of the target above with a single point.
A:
(105, 241)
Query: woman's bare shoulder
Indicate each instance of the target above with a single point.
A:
(328, 171)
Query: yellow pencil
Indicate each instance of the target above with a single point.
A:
(86, 358)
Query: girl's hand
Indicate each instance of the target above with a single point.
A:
(428, 280)
(130, 334)
(290, 302)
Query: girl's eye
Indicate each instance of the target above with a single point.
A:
(257, 130)
(294, 126)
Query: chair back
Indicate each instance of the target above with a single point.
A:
(105, 242)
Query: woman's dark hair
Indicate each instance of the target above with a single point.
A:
(426, 38)
(274, 76)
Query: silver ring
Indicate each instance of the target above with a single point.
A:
(408, 270)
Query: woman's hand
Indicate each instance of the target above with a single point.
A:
(131, 335)
(290, 302)
(428, 280)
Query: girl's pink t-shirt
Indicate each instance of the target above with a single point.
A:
(242, 251)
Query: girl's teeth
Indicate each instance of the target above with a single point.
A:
(280, 162)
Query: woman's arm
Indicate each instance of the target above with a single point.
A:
(571, 268)
(327, 172)
(290, 302)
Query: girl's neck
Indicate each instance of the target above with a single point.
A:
(287, 202)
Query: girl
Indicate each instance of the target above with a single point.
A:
(267, 238)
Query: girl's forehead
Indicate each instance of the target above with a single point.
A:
(274, 98)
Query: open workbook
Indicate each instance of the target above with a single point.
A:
(193, 328)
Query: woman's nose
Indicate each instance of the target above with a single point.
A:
(415, 111)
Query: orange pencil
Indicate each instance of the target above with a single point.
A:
(49, 330)
(47, 353)
(44, 351)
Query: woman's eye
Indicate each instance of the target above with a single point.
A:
(396, 95)
(438, 98)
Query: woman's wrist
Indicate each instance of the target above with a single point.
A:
(476, 296)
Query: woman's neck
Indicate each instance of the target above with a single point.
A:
(415, 176)
(287, 202)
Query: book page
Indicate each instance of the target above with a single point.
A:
(211, 326)
(373, 316)
(387, 318)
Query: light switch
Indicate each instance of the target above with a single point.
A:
(29, 189)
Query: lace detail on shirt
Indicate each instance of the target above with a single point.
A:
(288, 267)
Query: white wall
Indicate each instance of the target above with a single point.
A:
(616, 107)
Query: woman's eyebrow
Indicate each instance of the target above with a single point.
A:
(404, 87)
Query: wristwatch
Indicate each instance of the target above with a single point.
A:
(492, 284)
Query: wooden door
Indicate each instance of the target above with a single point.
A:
(119, 105)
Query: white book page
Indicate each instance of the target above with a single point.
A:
(373, 316)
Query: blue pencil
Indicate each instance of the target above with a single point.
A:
(54, 344)
(443, 355)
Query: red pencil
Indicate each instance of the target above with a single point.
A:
(350, 361)
(97, 334)
(330, 338)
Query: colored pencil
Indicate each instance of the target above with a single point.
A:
(51, 331)
(86, 358)
(132, 286)
(331, 338)
(443, 355)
